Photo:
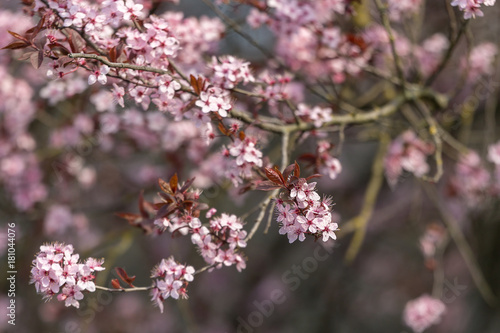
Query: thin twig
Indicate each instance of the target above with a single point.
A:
(438, 153)
(105, 61)
(448, 54)
(124, 290)
(360, 222)
(285, 141)
(364, 117)
(270, 217)
(392, 41)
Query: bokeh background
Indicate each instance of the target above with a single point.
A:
(327, 295)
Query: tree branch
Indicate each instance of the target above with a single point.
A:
(360, 222)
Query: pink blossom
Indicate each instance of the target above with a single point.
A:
(423, 312)
(99, 75)
(407, 152)
(56, 267)
(331, 167)
(171, 278)
(130, 9)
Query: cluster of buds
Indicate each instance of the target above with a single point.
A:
(57, 271)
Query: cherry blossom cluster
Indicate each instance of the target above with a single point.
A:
(154, 44)
(171, 280)
(472, 181)
(423, 58)
(317, 115)
(229, 71)
(243, 157)
(472, 8)
(329, 165)
(480, 61)
(274, 88)
(300, 209)
(20, 171)
(306, 40)
(423, 312)
(159, 39)
(220, 241)
(304, 212)
(57, 271)
(215, 100)
(399, 9)
(407, 153)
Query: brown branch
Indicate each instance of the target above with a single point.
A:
(105, 61)
(360, 222)
(124, 290)
(448, 54)
(392, 41)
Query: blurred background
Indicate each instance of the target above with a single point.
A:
(299, 287)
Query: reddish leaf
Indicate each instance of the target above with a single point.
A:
(186, 185)
(173, 183)
(112, 54)
(223, 129)
(26, 56)
(242, 135)
(124, 276)
(116, 284)
(267, 185)
(288, 171)
(308, 157)
(165, 211)
(167, 198)
(18, 36)
(357, 40)
(279, 174)
(201, 83)
(165, 187)
(129, 217)
(15, 45)
(143, 211)
(36, 59)
(296, 172)
(35, 30)
(274, 175)
(157, 206)
(316, 175)
(194, 84)
(247, 187)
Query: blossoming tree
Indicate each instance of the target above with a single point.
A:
(138, 79)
